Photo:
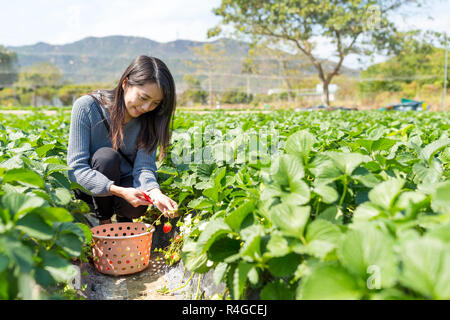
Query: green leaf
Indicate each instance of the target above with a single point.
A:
(300, 144)
(61, 196)
(58, 179)
(286, 169)
(366, 211)
(16, 251)
(426, 174)
(299, 193)
(284, 266)
(59, 268)
(316, 248)
(70, 243)
(42, 151)
(219, 272)
(347, 162)
(24, 175)
(440, 232)
(431, 149)
(4, 262)
(277, 290)
(26, 284)
(329, 282)
(87, 232)
(365, 143)
(34, 226)
(234, 218)
(168, 170)
(328, 194)
(253, 276)
(368, 250)
(18, 203)
(193, 258)
(54, 214)
(291, 220)
(277, 245)
(74, 186)
(240, 278)
(251, 250)
(69, 227)
(218, 175)
(12, 163)
(376, 145)
(325, 171)
(383, 144)
(200, 203)
(55, 167)
(384, 193)
(323, 230)
(212, 193)
(43, 277)
(440, 199)
(213, 229)
(367, 179)
(332, 214)
(426, 267)
(322, 237)
(223, 248)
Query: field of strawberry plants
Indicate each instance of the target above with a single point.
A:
(41, 227)
(285, 205)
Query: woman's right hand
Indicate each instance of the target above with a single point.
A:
(133, 196)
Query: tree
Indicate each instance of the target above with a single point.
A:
(39, 75)
(353, 26)
(288, 67)
(8, 67)
(419, 61)
(207, 61)
(248, 68)
(193, 92)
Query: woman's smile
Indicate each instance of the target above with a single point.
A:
(137, 111)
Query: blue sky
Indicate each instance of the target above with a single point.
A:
(25, 22)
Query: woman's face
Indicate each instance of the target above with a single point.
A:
(140, 99)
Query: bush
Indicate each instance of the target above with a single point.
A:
(193, 96)
(236, 96)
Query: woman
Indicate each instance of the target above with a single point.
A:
(113, 139)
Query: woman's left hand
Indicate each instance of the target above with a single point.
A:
(166, 205)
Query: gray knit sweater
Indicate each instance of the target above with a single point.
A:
(88, 134)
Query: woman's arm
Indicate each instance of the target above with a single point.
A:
(78, 152)
(145, 179)
(144, 171)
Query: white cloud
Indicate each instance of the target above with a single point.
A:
(27, 22)
(24, 22)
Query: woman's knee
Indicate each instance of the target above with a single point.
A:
(107, 161)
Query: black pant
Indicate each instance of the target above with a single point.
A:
(107, 161)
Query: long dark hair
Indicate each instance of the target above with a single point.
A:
(156, 125)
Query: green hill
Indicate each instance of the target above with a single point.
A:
(103, 59)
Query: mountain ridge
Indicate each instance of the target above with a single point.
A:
(103, 59)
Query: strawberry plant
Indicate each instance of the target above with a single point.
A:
(38, 234)
(285, 205)
(334, 212)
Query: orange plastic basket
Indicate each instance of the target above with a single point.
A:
(121, 248)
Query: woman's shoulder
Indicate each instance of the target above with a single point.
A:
(84, 103)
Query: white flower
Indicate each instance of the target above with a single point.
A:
(202, 226)
(209, 263)
(188, 219)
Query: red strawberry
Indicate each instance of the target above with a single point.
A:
(167, 227)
